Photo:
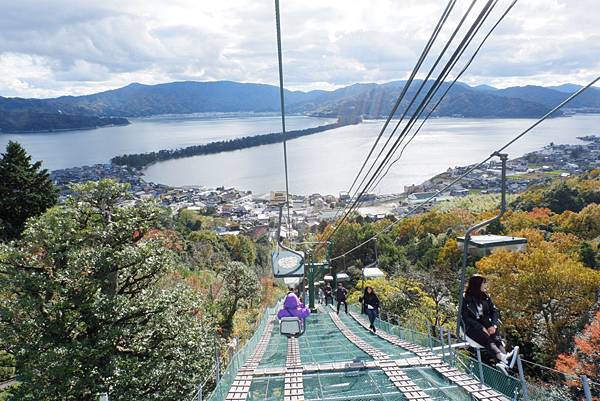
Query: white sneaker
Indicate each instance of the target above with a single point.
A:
(502, 358)
(501, 366)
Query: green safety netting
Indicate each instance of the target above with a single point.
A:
(358, 385)
(324, 343)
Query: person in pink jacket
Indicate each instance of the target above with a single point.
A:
(292, 307)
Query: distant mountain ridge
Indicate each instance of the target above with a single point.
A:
(368, 100)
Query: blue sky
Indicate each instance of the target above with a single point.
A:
(56, 47)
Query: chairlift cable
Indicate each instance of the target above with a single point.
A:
(416, 68)
(425, 101)
(418, 92)
(282, 104)
(446, 91)
(483, 14)
(422, 57)
(434, 88)
(476, 166)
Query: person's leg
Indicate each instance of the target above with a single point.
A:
(346, 307)
(338, 307)
(482, 338)
(372, 315)
(499, 343)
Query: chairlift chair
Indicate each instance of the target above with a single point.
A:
(478, 350)
(342, 277)
(291, 327)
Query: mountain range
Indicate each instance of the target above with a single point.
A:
(359, 100)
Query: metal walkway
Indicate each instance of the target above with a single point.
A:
(338, 358)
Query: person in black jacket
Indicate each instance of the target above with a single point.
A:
(340, 296)
(328, 294)
(371, 305)
(480, 319)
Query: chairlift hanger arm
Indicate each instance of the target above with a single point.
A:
(503, 158)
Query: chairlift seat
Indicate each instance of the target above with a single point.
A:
(287, 264)
(292, 282)
(372, 272)
(342, 277)
(291, 326)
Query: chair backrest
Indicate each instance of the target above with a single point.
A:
(291, 327)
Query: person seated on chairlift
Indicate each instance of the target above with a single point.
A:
(293, 307)
(480, 319)
(371, 305)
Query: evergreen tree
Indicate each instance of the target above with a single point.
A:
(89, 303)
(25, 190)
(587, 255)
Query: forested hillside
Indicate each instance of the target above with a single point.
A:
(101, 294)
(367, 100)
(95, 295)
(547, 295)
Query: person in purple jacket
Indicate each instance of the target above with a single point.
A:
(292, 307)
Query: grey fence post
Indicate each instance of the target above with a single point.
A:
(481, 379)
(217, 360)
(399, 328)
(586, 388)
(450, 355)
(199, 395)
(429, 335)
(522, 378)
(441, 330)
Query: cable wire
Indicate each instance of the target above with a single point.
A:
(474, 167)
(457, 53)
(416, 68)
(423, 83)
(446, 92)
(282, 101)
(407, 84)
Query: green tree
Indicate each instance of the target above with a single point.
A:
(587, 255)
(563, 197)
(553, 292)
(240, 288)
(25, 190)
(241, 248)
(91, 305)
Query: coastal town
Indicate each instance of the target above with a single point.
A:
(255, 214)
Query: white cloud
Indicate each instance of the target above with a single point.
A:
(73, 47)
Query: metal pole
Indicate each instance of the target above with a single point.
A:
(481, 379)
(442, 341)
(503, 158)
(362, 304)
(586, 388)
(199, 398)
(450, 355)
(311, 283)
(217, 359)
(522, 378)
(429, 335)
